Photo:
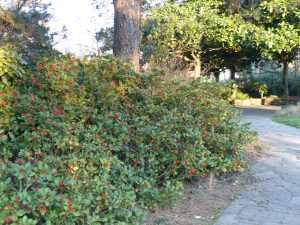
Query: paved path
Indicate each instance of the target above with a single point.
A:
(275, 198)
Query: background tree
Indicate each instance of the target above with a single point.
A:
(278, 34)
(229, 43)
(173, 34)
(200, 34)
(24, 26)
(104, 38)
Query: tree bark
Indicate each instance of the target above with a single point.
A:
(198, 68)
(286, 79)
(217, 76)
(127, 19)
(232, 73)
(233, 6)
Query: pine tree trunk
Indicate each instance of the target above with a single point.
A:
(286, 79)
(127, 31)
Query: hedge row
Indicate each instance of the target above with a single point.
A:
(92, 142)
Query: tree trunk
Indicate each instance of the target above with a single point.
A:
(217, 76)
(198, 68)
(233, 6)
(286, 79)
(127, 31)
(232, 73)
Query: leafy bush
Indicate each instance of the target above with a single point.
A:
(10, 66)
(242, 96)
(235, 92)
(10, 72)
(91, 142)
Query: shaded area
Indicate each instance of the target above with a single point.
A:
(200, 205)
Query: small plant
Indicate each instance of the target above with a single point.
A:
(242, 96)
(262, 89)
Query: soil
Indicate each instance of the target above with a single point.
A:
(202, 204)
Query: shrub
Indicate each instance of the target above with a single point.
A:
(92, 142)
(10, 72)
(242, 96)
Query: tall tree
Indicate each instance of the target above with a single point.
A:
(127, 31)
(23, 24)
(279, 34)
(199, 35)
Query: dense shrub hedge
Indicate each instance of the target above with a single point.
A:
(91, 142)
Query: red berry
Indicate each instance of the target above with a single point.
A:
(192, 172)
(205, 175)
(8, 220)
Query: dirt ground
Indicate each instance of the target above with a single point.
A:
(201, 205)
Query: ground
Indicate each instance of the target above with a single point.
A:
(200, 205)
(267, 194)
(275, 198)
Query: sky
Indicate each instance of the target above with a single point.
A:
(82, 20)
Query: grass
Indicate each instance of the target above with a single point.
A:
(290, 120)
